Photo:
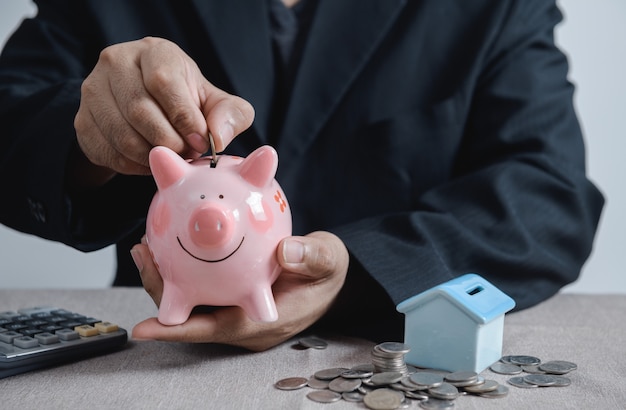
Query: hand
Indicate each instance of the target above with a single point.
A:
(149, 92)
(314, 271)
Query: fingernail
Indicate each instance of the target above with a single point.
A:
(293, 251)
(137, 259)
(226, 133)
(197, 142)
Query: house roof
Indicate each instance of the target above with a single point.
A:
(471, 293)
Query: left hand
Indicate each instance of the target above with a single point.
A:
(314, 271)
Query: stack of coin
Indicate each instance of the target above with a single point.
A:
(389, 357)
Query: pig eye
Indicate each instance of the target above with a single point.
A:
(221, 196)
(202, 196)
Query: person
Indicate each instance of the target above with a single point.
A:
(418, 141)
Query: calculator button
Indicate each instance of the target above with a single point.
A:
(51, 328)
(8, 337)
(9, 314)
(30, 332)
(86, 330)
(25, 342)
(70, 324)
(67, 334)
(47, 338)
(15, 326)
(106, 327)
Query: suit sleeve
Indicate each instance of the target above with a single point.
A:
(518, 209)
(41, 71)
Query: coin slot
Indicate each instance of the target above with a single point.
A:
(475, 290)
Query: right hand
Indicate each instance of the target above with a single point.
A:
(149, 92)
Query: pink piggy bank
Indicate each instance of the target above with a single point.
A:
(213, 229)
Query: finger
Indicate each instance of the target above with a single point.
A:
(150, 276)
(100, 150)
(316, 255)
(174, 81)
(139, 109)
(226, 115)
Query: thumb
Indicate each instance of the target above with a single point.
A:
(318, 254)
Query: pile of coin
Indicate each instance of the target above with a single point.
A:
(389, 383)
(538, 374)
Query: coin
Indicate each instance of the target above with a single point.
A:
(501, 391)
(426, 379)
(313, 342)
(524, 360)
(518, 381)
(532, 369)
(353, 396)
(341, 385)
(486, 386)
(385, 378)
(444, 391)
(541, 380)
(461, 378)
(505, 368)
(329, 374)
(383, 399)
(357, 374)
(558, 367)
(433, 403)
(394, 347)
(561, 381)
(324, 396)
(316, 383)
(291, 383)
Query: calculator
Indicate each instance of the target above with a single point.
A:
(39, 337)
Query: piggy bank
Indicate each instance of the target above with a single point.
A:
(213, 228)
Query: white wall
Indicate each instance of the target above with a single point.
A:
(594, 37)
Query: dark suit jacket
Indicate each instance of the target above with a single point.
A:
(435, 137)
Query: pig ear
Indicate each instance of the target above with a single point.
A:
(167, 166)
(259, 168)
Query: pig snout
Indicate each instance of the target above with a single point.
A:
(211, 226)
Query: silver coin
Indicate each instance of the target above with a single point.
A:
(416, 395)
(534, 369)
(461, 378)
(524, 360)
(501, 391)
(541, 380)
(506, 359)
(558, 367)
(406, 381)
(365, 367)
(505, 368)
(313, 342)
(383, 399)
(324, 396)
(357, 374)
(561, 381)
(394, 347)
(479, 380)
(291, 383)
(518, 381)
(444, 391)
(341, 385)
(385, 378)
(426, 379)
(433, 403)
(329, 374)
(318, 384)
(486, 386)
(401, 387)
(353, 396)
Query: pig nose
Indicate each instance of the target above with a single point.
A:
(211, 226)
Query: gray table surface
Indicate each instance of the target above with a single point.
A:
(589, 330)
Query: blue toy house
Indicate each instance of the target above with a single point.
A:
(457, 325)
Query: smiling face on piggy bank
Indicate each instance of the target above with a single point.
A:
(213, 232)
